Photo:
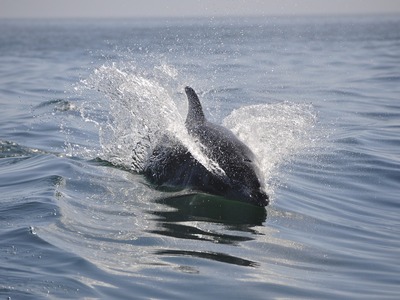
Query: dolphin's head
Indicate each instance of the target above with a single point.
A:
(259, 198)
(255, 197)
(245, 185)
(252, 195)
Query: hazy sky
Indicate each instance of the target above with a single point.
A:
(188, 8)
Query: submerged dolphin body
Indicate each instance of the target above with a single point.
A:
(172, 165)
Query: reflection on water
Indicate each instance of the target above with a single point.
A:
(193, 216)
(202, 207)
(216, 256)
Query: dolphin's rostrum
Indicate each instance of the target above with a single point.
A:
(172, 165)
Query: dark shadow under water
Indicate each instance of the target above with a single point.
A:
(217, 209)
(234, 216)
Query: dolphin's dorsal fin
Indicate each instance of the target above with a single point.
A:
(195, 114)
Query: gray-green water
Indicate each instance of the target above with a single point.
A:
(317, 99)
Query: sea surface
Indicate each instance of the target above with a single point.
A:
(82, 102)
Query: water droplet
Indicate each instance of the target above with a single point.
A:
(32, 230)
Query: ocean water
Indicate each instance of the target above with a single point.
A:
(83, 102)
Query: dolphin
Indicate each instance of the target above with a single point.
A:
(171, 165)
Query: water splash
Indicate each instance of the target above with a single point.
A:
(275, 132)
(138, 107)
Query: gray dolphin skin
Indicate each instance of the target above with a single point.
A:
(171, 165)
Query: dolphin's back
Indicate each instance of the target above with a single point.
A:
(211, 134)
(172, 165)
(232, 155)
(220, 144)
